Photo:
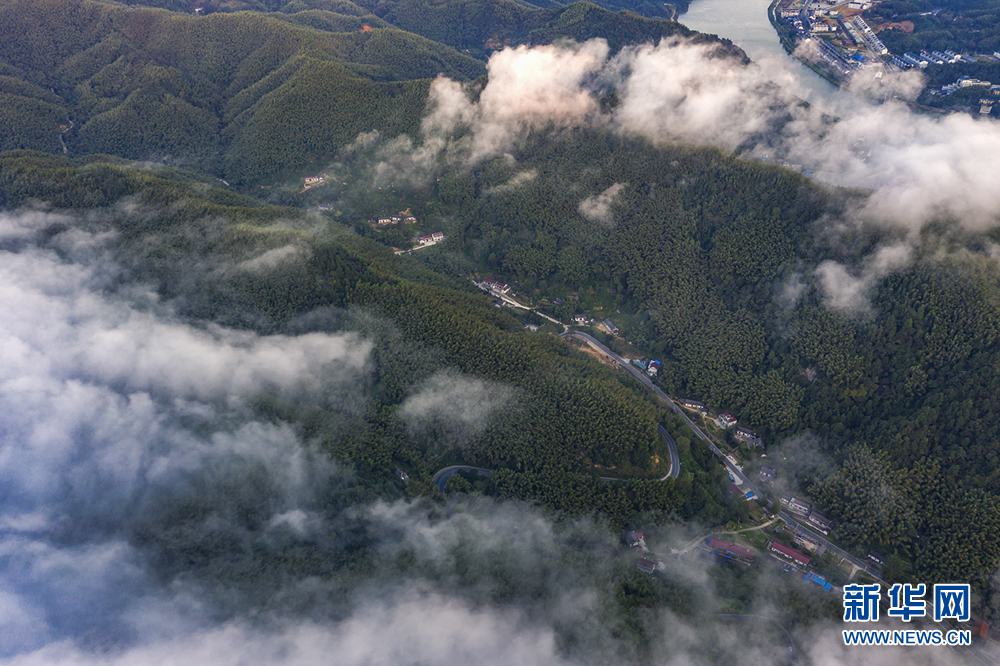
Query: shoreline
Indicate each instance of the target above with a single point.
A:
(789, 47)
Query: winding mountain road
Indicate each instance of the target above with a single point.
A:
(675, 459)
(440, 478)
(735, 471)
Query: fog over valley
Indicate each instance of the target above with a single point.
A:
(253, 416)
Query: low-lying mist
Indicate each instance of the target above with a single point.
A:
(152, 512)
(162, 501)
(923, 171)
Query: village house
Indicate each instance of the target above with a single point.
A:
(494, 285)
(768, 475)
(808, 543)
(609, 326)
(747, 435)
(636, 542)
(646, 566)
(819, 522)
(726, 420)
(788, 553)
(313, 180)
(729, 550)
(795, 505)
(693, 404)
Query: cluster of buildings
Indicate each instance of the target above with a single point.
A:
(637, 543)
(925, 58)
(985, 103)
(742, 433)
(495, 287)
(394, 219)
(724, 551)
(431, 239)
(725, 421)
(651, 366)
(840, 60)
(861, 33)
(838, 20)
(804, 510)
(846, 42)
(425, 241)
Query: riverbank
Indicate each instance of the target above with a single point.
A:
(784, 36)
(747, 24)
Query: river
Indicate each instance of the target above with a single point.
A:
(745, 22)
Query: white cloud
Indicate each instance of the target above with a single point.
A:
(847, 290)
(463, 406)
(598, 208)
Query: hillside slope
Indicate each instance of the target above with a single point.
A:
(145, 83)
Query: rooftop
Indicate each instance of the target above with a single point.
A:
(781, 548)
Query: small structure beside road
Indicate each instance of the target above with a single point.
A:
(788, 553)
(646, 566)
(730, 550)
(636, 542)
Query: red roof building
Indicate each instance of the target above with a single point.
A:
(646, 566)
(790, 553)
(731, 548)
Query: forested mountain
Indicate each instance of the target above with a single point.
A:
(696, 255)
(248, 95)
(482, 25)
(242, 95)
(564, 414)
(707, 260)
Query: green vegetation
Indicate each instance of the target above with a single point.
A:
(569, 412)
(244, 96)
(964, 26)
(697, 254)
(694, 261)
(250, 96)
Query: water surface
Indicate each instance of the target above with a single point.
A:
(745, 23)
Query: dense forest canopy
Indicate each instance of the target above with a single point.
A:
(855, 329)
(250, 96)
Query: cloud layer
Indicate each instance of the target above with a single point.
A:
(113, 410)
(923, 169)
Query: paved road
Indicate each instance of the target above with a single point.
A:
(703, 537)
(737, 473)
(440, 478)
(675, 459)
